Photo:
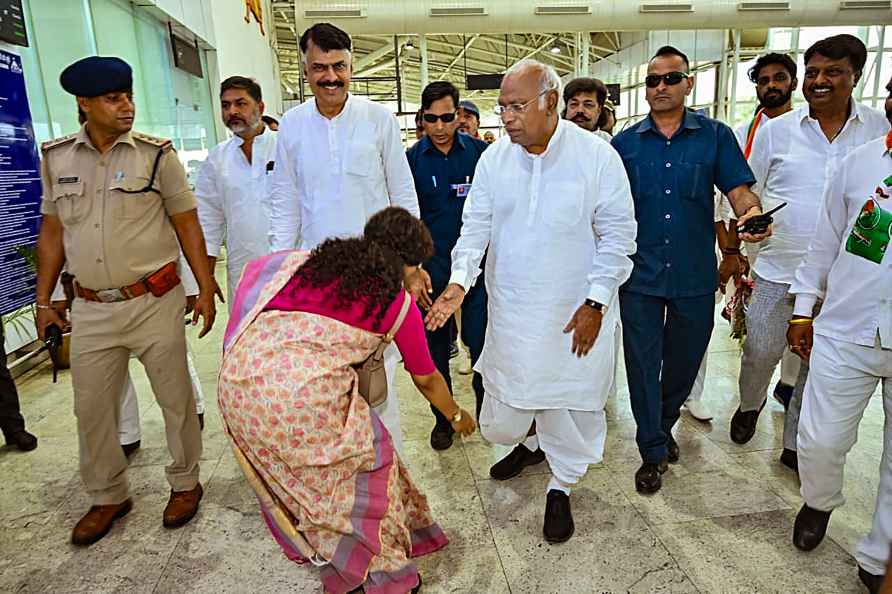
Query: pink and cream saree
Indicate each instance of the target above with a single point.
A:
(330, 485)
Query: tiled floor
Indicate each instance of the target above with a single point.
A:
(721, 523)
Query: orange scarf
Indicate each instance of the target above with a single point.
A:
(751, 134)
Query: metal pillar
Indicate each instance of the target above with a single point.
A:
(583, 49)
(721, 77)
(877, 65)
(422, 47)
(735, 60)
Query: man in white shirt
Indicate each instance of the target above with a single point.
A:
(339, 160)
(850, 349)
(793, 156)
(233, 185)
(552, 209)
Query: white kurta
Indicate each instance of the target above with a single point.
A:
(333, 174)
(853, 338)
(233, 202)
(559, 228)
(792, 160)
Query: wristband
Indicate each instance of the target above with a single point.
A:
(42, 306)
(731, 252)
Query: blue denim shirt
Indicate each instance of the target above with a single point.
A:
(673, 181)
(439, 182)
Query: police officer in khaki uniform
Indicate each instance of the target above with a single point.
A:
(117, 207)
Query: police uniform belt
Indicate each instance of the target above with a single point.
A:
(158, 283)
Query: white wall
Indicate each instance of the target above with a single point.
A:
(242, 50)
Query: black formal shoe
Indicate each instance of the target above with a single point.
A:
(870, 581)
(201, 421)
(22, 440)
(743, 424)
(809, 528)
(790, 459)
(558, 526)
(649, 478)
(441, 437)
(674, 452)
(130, 448)
(783, 394)
(511, 465)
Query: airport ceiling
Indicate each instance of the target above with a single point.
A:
(450, 57)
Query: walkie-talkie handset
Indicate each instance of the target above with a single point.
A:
(759, 223)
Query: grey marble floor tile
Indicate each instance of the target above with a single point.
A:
(753, 553)
(689, 496)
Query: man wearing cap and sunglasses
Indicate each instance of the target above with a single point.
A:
(117, 208)
(443, 164)
(675, 158)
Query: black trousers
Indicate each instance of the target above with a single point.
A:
(473, 331)
(11, 419)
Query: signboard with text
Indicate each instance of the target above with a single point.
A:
(12, 23)
(19, 186)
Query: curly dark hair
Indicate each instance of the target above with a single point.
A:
(368, 269)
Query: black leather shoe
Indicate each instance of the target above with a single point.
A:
(809, 528)
(22, 440)
(649, 478)
(674, 452)
(558, 526)
(743, 424)
(441, 437)
(130, 448)
(790, 459)
(783, 394)
(511, 465)
(870, 581)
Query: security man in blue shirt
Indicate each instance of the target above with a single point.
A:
(443, 164)
(674, 158)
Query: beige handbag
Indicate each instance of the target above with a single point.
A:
(372, 379)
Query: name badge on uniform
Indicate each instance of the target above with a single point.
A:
(72, 179)
(461, 190)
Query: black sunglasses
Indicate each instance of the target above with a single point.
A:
(431, 118)
(670, 78)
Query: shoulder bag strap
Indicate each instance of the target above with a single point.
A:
(399, 319)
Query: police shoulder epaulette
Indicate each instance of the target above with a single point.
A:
(57, 142)
(164, 143)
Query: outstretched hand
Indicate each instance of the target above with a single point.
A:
(446, 304)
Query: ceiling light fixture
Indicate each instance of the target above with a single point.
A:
(555, 49)
(409, 45)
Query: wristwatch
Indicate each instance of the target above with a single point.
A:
(596, 305)
(456, 418)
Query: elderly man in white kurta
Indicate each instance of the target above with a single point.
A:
(339, 161)
(234, 183)
(850, 349)
(552, 206)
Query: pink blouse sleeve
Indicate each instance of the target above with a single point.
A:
(412, 342)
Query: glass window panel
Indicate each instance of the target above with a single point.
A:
(61, 35)
(780, 39)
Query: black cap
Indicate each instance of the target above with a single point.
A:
(97, 75)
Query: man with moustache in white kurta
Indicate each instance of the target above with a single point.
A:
(552, 206)
(339, 160)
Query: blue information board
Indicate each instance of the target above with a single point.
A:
(19, 186)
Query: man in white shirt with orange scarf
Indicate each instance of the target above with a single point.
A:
(793, 157)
